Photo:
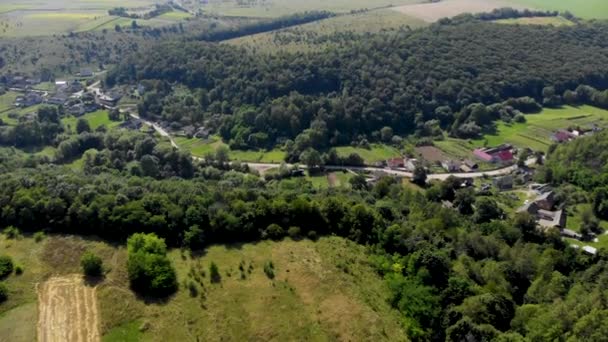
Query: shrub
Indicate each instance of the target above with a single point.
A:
(18, 270)
(294, 232)
(274, 232)
(269, 269)
(3, 293)
(39, 236)
(92, 265)
(214, 273)
(12, 232)
(312, 235)
(6, 266)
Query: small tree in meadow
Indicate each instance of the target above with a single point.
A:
(92, 265)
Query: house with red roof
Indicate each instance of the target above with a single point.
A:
(501, 154)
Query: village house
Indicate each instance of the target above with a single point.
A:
(542, 209)
(57, 99)
(503, 183)
(108, 100)
(468, 166)
(86, 72)
(562, 136)
(450, 165)
(28, 100)
(501, 154)
(395, 163)
(410, 164)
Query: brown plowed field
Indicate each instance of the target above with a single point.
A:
(67, 310)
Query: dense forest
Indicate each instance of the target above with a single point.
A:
(453, 77)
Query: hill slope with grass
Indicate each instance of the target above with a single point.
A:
(323, 290)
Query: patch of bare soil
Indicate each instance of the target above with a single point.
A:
(431, 12)
(67, 310)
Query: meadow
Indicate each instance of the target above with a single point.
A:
(588, 9)
(95, 119)
(536, 132)
(323, 290)
(376, 152)
(302, 37)
(199, 148)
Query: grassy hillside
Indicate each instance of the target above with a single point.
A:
(536, 132)
(324, 290)
(309, 36)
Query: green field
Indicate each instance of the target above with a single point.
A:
(555, 21)
(324, 290)
(95, 120)
(582, 8)
(200, 148)
(536, 132)
(375, 153)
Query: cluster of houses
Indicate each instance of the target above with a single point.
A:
(569, 134)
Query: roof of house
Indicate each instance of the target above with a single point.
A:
(571, 234)
(550, 219)
(395, 162)
(590, 250)
(544, 196)
(479, 153)
(505, 155)
(562, 136)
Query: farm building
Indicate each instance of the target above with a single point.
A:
(395, 163)
(501, 154)
(542, 209)
(450, 165)
(562, 136)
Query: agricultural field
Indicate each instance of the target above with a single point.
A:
(555, 21)
(277, 8)
(43, 18)
(305, 37)
(588, 9)
(375, 153)
(324, 290)
(433, 11)
(536, 132)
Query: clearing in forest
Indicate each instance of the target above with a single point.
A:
(67, 310)
(431, 12)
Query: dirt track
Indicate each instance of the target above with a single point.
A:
(67, 311)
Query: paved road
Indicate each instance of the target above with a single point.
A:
(402, 173)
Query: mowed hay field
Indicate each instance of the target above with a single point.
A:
(537, 130)
(324, 290)
(277, 8)
(431, 12)
(304, 37)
